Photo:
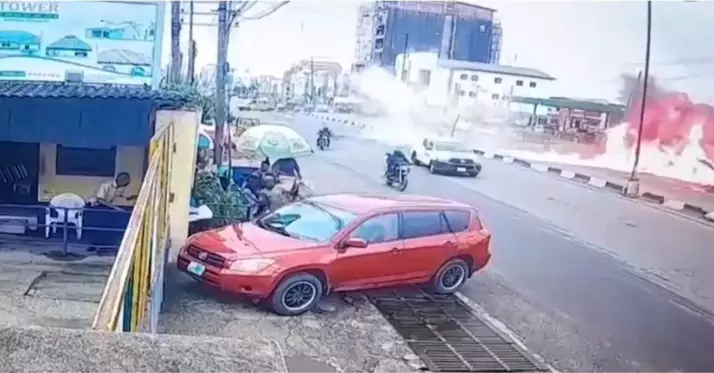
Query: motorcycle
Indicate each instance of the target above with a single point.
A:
(398, 178)
(323, 142)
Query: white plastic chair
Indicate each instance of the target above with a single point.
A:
(65, 203)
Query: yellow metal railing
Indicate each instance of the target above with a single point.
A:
(137, 274)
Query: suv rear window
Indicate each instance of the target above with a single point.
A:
(458, 220)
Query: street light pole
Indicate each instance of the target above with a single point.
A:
(633, 184)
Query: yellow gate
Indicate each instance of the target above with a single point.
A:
(135, 282)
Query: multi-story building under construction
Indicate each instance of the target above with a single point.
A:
(456, 30)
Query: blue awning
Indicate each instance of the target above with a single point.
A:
(80, 115)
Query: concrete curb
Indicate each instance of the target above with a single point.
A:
(664, 201)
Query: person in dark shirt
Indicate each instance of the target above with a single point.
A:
(287, 167)
(394, 160)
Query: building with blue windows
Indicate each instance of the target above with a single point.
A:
(454, 30)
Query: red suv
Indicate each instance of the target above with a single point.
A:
(294, 256)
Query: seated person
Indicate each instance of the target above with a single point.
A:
(254, 182)
(286, 167)
(394, 160)
(108, 191)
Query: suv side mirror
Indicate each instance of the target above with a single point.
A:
(357, 243)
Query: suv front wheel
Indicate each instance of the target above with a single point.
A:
(297, 294)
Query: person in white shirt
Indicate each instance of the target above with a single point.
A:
(109, 220)
(108, 191)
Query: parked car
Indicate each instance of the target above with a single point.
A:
(293, 257)
(446, 155)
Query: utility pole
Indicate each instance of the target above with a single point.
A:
(403, 74)
(312, 80)
(221, 67)
(175, 70)
(191, 46)
(633, 184)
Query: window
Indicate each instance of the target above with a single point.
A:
(463, 76)
(307, 221)
(382, 228)
(495, 96)
(423, 224)
(458, 220)
(497, 80)
(424, 77)
(532, 85)
(472, 94)
(519, 83)
(482, 28)
(474, 78)
(96, 33)
(86, 161)
(462, 93)
(451, 146)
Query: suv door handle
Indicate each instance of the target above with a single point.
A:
(395, 249)
(450, 244)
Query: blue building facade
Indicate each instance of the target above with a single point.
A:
(455, 30)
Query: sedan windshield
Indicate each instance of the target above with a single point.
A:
(307, 220)
(450, 146)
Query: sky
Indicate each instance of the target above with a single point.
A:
(586, 45)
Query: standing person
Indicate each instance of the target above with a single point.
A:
(105, 214)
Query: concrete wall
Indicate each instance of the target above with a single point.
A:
(30, 350)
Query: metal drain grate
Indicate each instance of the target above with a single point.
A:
(447, 336)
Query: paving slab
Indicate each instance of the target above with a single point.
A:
(41, 291)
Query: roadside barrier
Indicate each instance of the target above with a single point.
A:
(135, 282)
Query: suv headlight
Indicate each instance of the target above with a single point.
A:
(250, 266)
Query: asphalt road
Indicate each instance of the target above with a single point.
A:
(553, 279)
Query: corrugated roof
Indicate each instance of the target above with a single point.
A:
(496, 69)
(70, 42)
(12, 89)
(123, 56)
(566, 103)
(20, 37)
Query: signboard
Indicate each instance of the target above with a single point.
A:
(112, 42)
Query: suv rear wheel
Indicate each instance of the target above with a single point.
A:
(450, 277)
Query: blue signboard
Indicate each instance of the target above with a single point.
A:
(113, 42)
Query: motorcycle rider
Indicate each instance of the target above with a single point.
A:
(325, 131)
(394, 160)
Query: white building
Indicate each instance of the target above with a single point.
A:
(463, 83)
(207, 78)
(306, 77)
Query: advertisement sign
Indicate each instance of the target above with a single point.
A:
(112, 42)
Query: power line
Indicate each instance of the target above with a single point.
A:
(266, 13)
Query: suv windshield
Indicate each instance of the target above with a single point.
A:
(450, 146)
(307, 220)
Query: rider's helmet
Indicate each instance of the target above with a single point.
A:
(398, 153)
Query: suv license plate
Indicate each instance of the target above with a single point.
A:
(460, 169)
(196, 268)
